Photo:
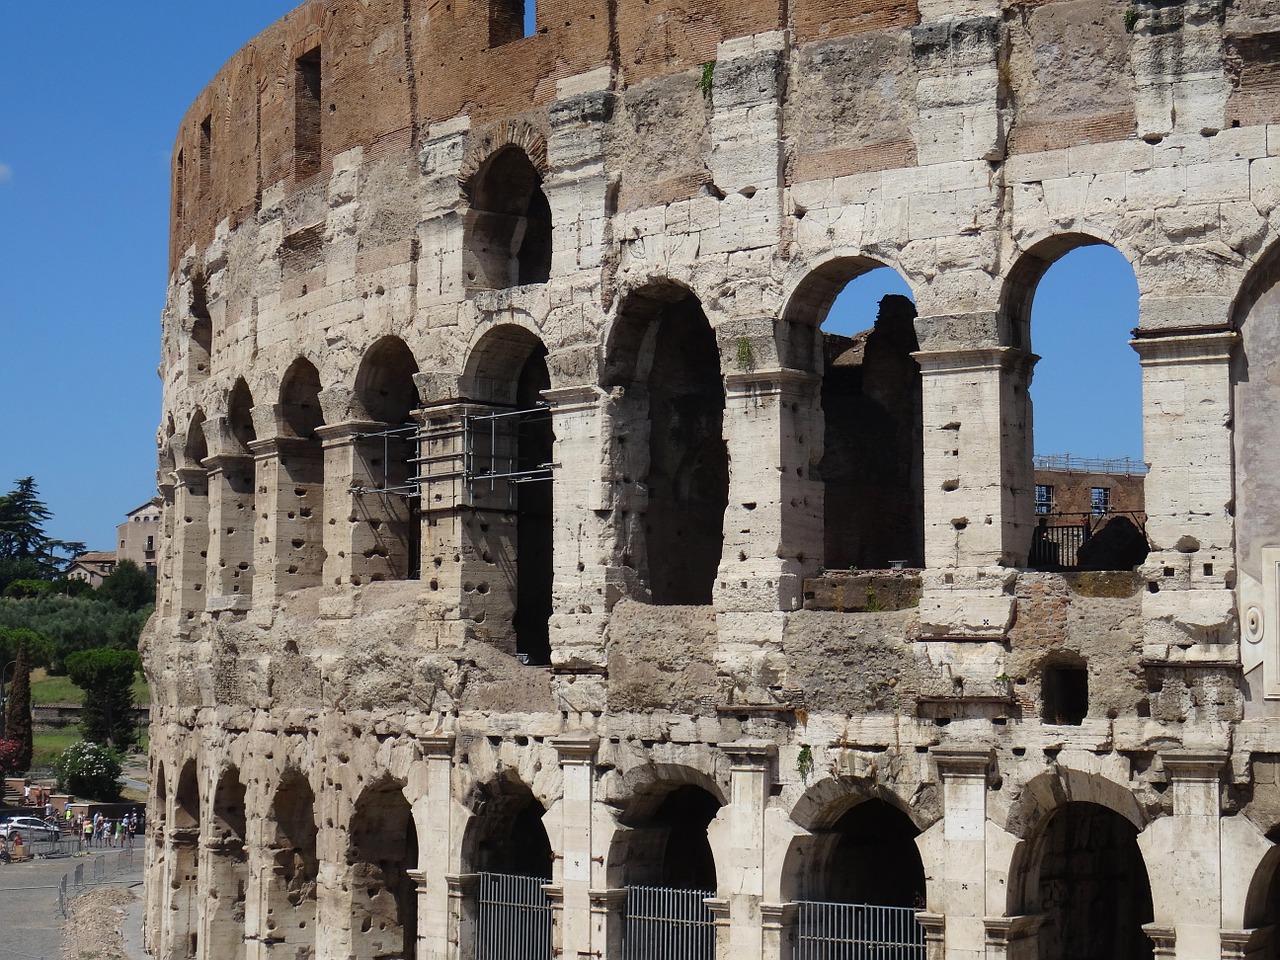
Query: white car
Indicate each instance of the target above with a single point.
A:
(29, 828)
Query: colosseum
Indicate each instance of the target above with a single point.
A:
(540, 580)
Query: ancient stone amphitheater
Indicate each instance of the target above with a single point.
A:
(512, 488)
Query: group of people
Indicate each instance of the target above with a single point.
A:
(99, 831)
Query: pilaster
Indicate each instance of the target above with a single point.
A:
(191, 548)
(959, 892)
(231, 532)
(577, 770)
(739, 844)
(290, 509)
(442, 907)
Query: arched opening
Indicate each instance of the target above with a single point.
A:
(228, 869)
(384, 897)
(858, 880)
(232, 500)
(663, 353)
(295, 511)
(507, 845)
(669, 871)
(1073, 301)
(512, 440)
(508, 228)
(388, 545)
(1086, 877)
(872, 466)
(1262, 906)
(157, 824)
(192, 503)
(291, 884)
(184, 906)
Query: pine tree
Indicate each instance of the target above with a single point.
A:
(17, 708)
(106, 677)
(22, 535)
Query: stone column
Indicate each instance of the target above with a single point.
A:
(1013, 938)
(289, 528)
(438, 915)
(166, 587)
(778, 921)
(1163, 939)
(182, 920)
(577, 770)
(191, 546)
(1186, 433)
(1187, 893)
(721, 918)
(935, 934)
(737, 836)
(1235, 943)
(419, 878)
(461, 925)
(608, 908)
(231, 532)
(959, 889)
(585, 587)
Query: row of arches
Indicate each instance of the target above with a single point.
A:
(664, 369)
(232, 877)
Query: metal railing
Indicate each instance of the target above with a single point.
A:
(514, 918)
(664, 923)
(857, 931)
(1066, 463)
(101, 869)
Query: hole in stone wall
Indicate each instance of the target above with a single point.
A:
(508, 228)
(1064, 692)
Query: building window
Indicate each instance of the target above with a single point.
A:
(151, 544)
(307, 117)
(1044, 498)
(206, 155)
(510, 20)
(1100, 500)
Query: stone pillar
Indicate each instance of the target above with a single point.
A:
(721, 918)
(979, 489)
(737, 836)
(1187, 892)
(231, 533)
(1013, 938)
(191, 547)
(773, 533)
(1163, 939)
(438, 915)
(166, 588)
(461, 926)
(289, 528)
(585, 587)
(935, 934)
(608, 908)
(577, 770)
(1186, 433)
(372, 538)
(958, 889)
(1235, 943)
(182, 920)
(778, 921)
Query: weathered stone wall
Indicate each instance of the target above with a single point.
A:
(369, 686)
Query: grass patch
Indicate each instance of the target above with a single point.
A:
(49, 743)
(46, 689)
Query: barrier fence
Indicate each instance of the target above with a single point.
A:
(857, 931)
(101, 869)
(664, 923)
(514, 918)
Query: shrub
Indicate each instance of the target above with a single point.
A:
(89, 770)
(10, 758)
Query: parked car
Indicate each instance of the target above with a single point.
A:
(30, 829)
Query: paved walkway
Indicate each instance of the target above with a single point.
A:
(30, 921)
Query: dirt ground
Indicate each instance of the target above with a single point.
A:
(92, 930)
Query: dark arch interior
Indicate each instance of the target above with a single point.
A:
(240, 416)
(872, 468)
(197, 449)
(384, 385)
(1092, 887)
(507, 834)
(229, 817)
(534, 532)
(384, 847)
(201, 330)
(870, 857)
(295, 841)
(669, 847)
(300, 400)
(186, 801)
(509, 227)
(668, 347)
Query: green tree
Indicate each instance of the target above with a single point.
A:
(17, 708)
(106, 677)
(128, 587)
(74, 623)
(89, 771)
(22, 534)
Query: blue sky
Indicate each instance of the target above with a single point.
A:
(91, 94)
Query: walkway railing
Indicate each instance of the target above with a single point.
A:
(857, 931)
(664, 923)
(101, 869)
(514, 918)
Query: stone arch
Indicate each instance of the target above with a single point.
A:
(195, 446)
(1041, 530)
(240, 417)
(385, 501)
(290, 834)
(183, 924)
(157, 824)
(228, 867)
(505, 831)
(293, 503)
(382, 850)
(513, 443)
(851, 826)
(662, 351)
(871, 459)
(200, 324)
(508, 227)
(1084, 876)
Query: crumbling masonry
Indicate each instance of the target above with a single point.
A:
(508, 477)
